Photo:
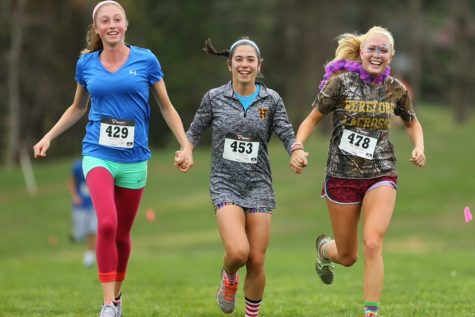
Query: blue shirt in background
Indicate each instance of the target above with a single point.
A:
(80, 186)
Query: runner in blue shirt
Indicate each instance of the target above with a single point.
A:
(115, 78)
(83, 213)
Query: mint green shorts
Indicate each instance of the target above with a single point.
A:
(126, 175)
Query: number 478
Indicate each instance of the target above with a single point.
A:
(359, 140)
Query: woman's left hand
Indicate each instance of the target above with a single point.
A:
(298, 161)
(418, 157)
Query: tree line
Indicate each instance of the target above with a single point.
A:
(42, 40)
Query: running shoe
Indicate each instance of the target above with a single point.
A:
(324, 267)
(226, 295)
(108, 310)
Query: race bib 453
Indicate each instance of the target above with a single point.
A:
(239, 148)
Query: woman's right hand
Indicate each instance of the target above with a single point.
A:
(184, 160)
(40, 148)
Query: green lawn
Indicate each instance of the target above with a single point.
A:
(175, 262)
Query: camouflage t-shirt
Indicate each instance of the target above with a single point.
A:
(359, 146)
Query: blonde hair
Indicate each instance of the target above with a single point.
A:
(349, 44)
(93, 40)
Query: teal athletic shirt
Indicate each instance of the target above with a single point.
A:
(119, 105)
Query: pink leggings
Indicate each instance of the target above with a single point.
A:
(116, 208)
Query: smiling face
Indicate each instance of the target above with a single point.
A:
(376, 53)
(244, 65)
(111, 24)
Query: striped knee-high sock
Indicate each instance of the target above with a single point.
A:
(371, 309)
(252, 307)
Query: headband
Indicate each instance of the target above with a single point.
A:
(100, 4)
(247, 42)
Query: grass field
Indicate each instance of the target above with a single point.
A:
(175, 262)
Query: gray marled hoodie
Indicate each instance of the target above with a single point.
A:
(244, 178)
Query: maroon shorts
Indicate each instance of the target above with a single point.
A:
(352, 191)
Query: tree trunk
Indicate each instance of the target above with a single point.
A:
(415, 48)
(462, 77)
(16, 32)
(308, 46)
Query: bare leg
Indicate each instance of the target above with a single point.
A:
(344, 248)
(258, 226)
(378, 207)
(117, 288)
(108, 291)
(231, 225)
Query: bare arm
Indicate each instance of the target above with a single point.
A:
(308, 125)
(414, 129)
(298, 159)
(173, 120)
(69, 118)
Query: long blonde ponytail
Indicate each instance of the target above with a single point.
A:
(348, 47)
(93, 41)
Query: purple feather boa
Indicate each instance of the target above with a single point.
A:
(352, 66)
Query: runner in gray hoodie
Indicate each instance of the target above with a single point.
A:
(243, 115)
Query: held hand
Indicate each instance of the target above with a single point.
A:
(298, 161)
(39, 150)
(418, 157)
(184, 160)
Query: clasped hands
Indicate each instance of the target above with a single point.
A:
(298, 160)
(184, 158)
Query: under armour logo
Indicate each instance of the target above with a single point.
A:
(132, 72)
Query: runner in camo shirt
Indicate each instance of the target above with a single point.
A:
(361, 166)
(243, 115)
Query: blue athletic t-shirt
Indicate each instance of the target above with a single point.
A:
(119, 100)
(81, 187)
